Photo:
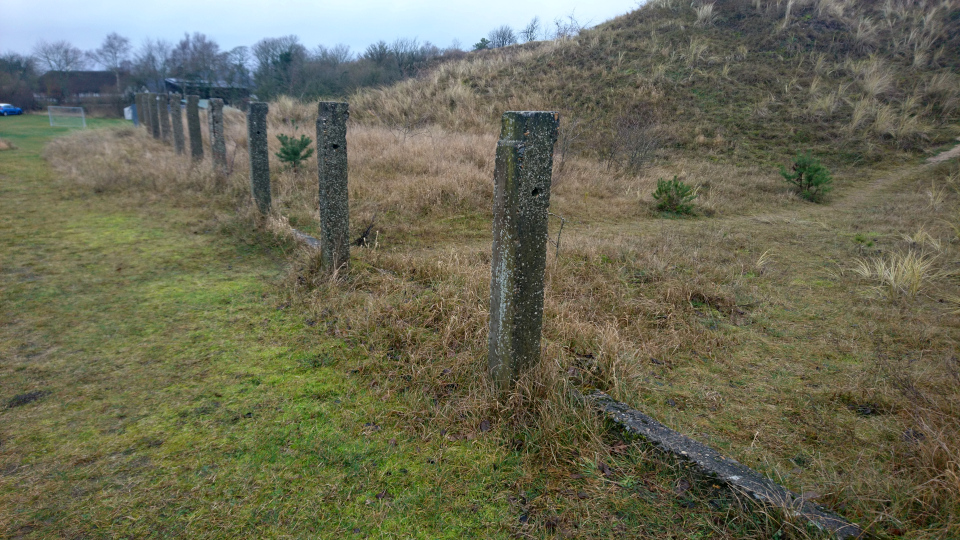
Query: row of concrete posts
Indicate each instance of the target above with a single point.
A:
(162, 116)
(334, 242)
(522, 181)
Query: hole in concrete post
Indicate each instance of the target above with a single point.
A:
(335, 146)
(535, 192)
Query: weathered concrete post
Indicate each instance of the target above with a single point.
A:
(145, 101)
(332, 171)
(176, 122)
(193, 127)
(259, 155)
(218, 145)
(141, 113)
(154, 115)
(521, 196)
(163, 105)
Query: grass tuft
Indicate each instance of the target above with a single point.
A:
(900, 275)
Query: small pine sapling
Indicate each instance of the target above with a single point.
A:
(674, 196)
(294, 151)
(809, 178)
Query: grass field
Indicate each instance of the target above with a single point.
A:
(157, 381)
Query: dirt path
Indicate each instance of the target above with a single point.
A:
(944, 156)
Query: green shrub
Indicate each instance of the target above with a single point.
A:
(674, 196)
(809, 178)
(294, 151)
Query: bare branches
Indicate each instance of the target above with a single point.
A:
(59, 56)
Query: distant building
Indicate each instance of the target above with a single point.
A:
(229, 93)
(73, 85)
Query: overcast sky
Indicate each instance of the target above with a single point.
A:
(232, 23)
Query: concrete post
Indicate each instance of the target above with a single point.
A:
(332, 171)
(154, 115)
(163, 106)
(193, 127)
(218, 145)
(522, 180)
(259, 155)
(146, 111)
(141, 113)
(176, 123)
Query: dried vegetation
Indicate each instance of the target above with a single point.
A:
(854, 82)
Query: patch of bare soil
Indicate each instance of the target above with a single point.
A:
(944, 156)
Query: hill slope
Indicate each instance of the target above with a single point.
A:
(743, 80)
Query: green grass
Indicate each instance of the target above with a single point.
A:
(180, 396)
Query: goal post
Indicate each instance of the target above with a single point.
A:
(67, 117)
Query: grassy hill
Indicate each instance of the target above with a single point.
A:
(749, 81)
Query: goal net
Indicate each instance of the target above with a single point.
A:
(67, 117)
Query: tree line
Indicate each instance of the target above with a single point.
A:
(269, 68)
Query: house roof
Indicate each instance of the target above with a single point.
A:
(79, 82)
(200, 83)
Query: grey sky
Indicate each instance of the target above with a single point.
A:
(244, 22)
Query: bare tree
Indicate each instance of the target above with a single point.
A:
(407, 53)
(113, 54)
(334, 56)
(152, 62)
(501, 37)
(238, 66)
(58, 56)
(280, 66)
(198, 57)
(378, 52)
(18, 77)
(567, 28)
(531, 32)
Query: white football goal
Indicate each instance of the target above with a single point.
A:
(67, 117)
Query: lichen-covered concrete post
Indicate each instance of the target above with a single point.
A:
(163, 106)
(521, 196)
(141, 113)
(332, 171)
(176, 123)
(259, 155)
(145, 101)
(154, 115)
(193, 127)
(218, 145)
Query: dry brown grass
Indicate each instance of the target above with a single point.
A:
(403, 177)
(6, 145)
(705, 14)
(900, 275)
(646, 65)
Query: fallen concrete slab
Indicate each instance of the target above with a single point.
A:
(734, 474)
(306, 238)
